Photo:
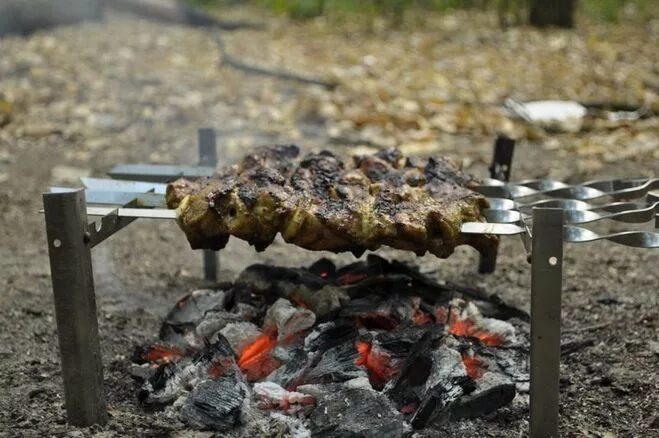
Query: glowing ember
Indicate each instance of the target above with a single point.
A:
(419, 316)
(220, 368)
(466, 327)
(350, 278)
(378, 364)
(408, 409)
(256, 361)
(475, 366)
(295, 298)
(161, 354)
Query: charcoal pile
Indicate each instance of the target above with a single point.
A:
(374, 348)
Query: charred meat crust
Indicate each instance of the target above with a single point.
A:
(320, 202)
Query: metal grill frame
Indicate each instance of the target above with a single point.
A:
(71, 238)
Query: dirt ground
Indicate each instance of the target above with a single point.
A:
(88, 97)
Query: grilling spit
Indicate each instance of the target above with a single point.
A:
(544, 213)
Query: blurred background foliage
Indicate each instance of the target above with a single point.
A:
(510, 12)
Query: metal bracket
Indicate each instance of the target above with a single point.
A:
(502, 159)
(208, 157)
(546, 288)
(69, 249)
(108, 225)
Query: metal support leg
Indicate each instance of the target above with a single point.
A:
(546, 287)
(499, 169)
(208, 157)
(75, 307)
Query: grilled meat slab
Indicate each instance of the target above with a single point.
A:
(319, 202)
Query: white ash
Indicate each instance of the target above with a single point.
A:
(269, 395)
(193, 307)
(214, 321)
(288, 319)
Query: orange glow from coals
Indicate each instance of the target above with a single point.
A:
(295, 298)
(220, 368)
(474, 366)
(350, 278)
(255, 360)
(377, 364)
(420, 317)
(161, 354)
(466, 327)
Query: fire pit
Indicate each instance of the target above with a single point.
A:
(266, 348)
(374, 346)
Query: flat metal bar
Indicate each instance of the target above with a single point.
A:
(546, 288)
(75, 307)
(151, 200)
(489, 228)
(113, 185)
(208, 157)
(160, 173)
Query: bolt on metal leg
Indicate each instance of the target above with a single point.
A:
(546, 288)
(75, 307)
(208, 157)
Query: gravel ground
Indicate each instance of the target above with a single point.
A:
(85, 98)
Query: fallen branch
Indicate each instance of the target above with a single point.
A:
(227, 59)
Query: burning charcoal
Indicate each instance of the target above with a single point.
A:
(446, 383)
(493, 390)
(172, 379)
(337, 364)
(158, 354)
(324, 302)
(240, 335)
(330, 334)
(164, 386)
(513, 362)
(464, 319)
(408, 387)
(265, 279)
(292, 372)
(214, 321)
(371, 312)
(141, 372)
(215, 404)
(256, 360)
(324, 268)
(385, 353)
(357, 272)
(287, 319)
(356, 413)
(192, 307)
(270, 396)
(318, 390)
(179, 325)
